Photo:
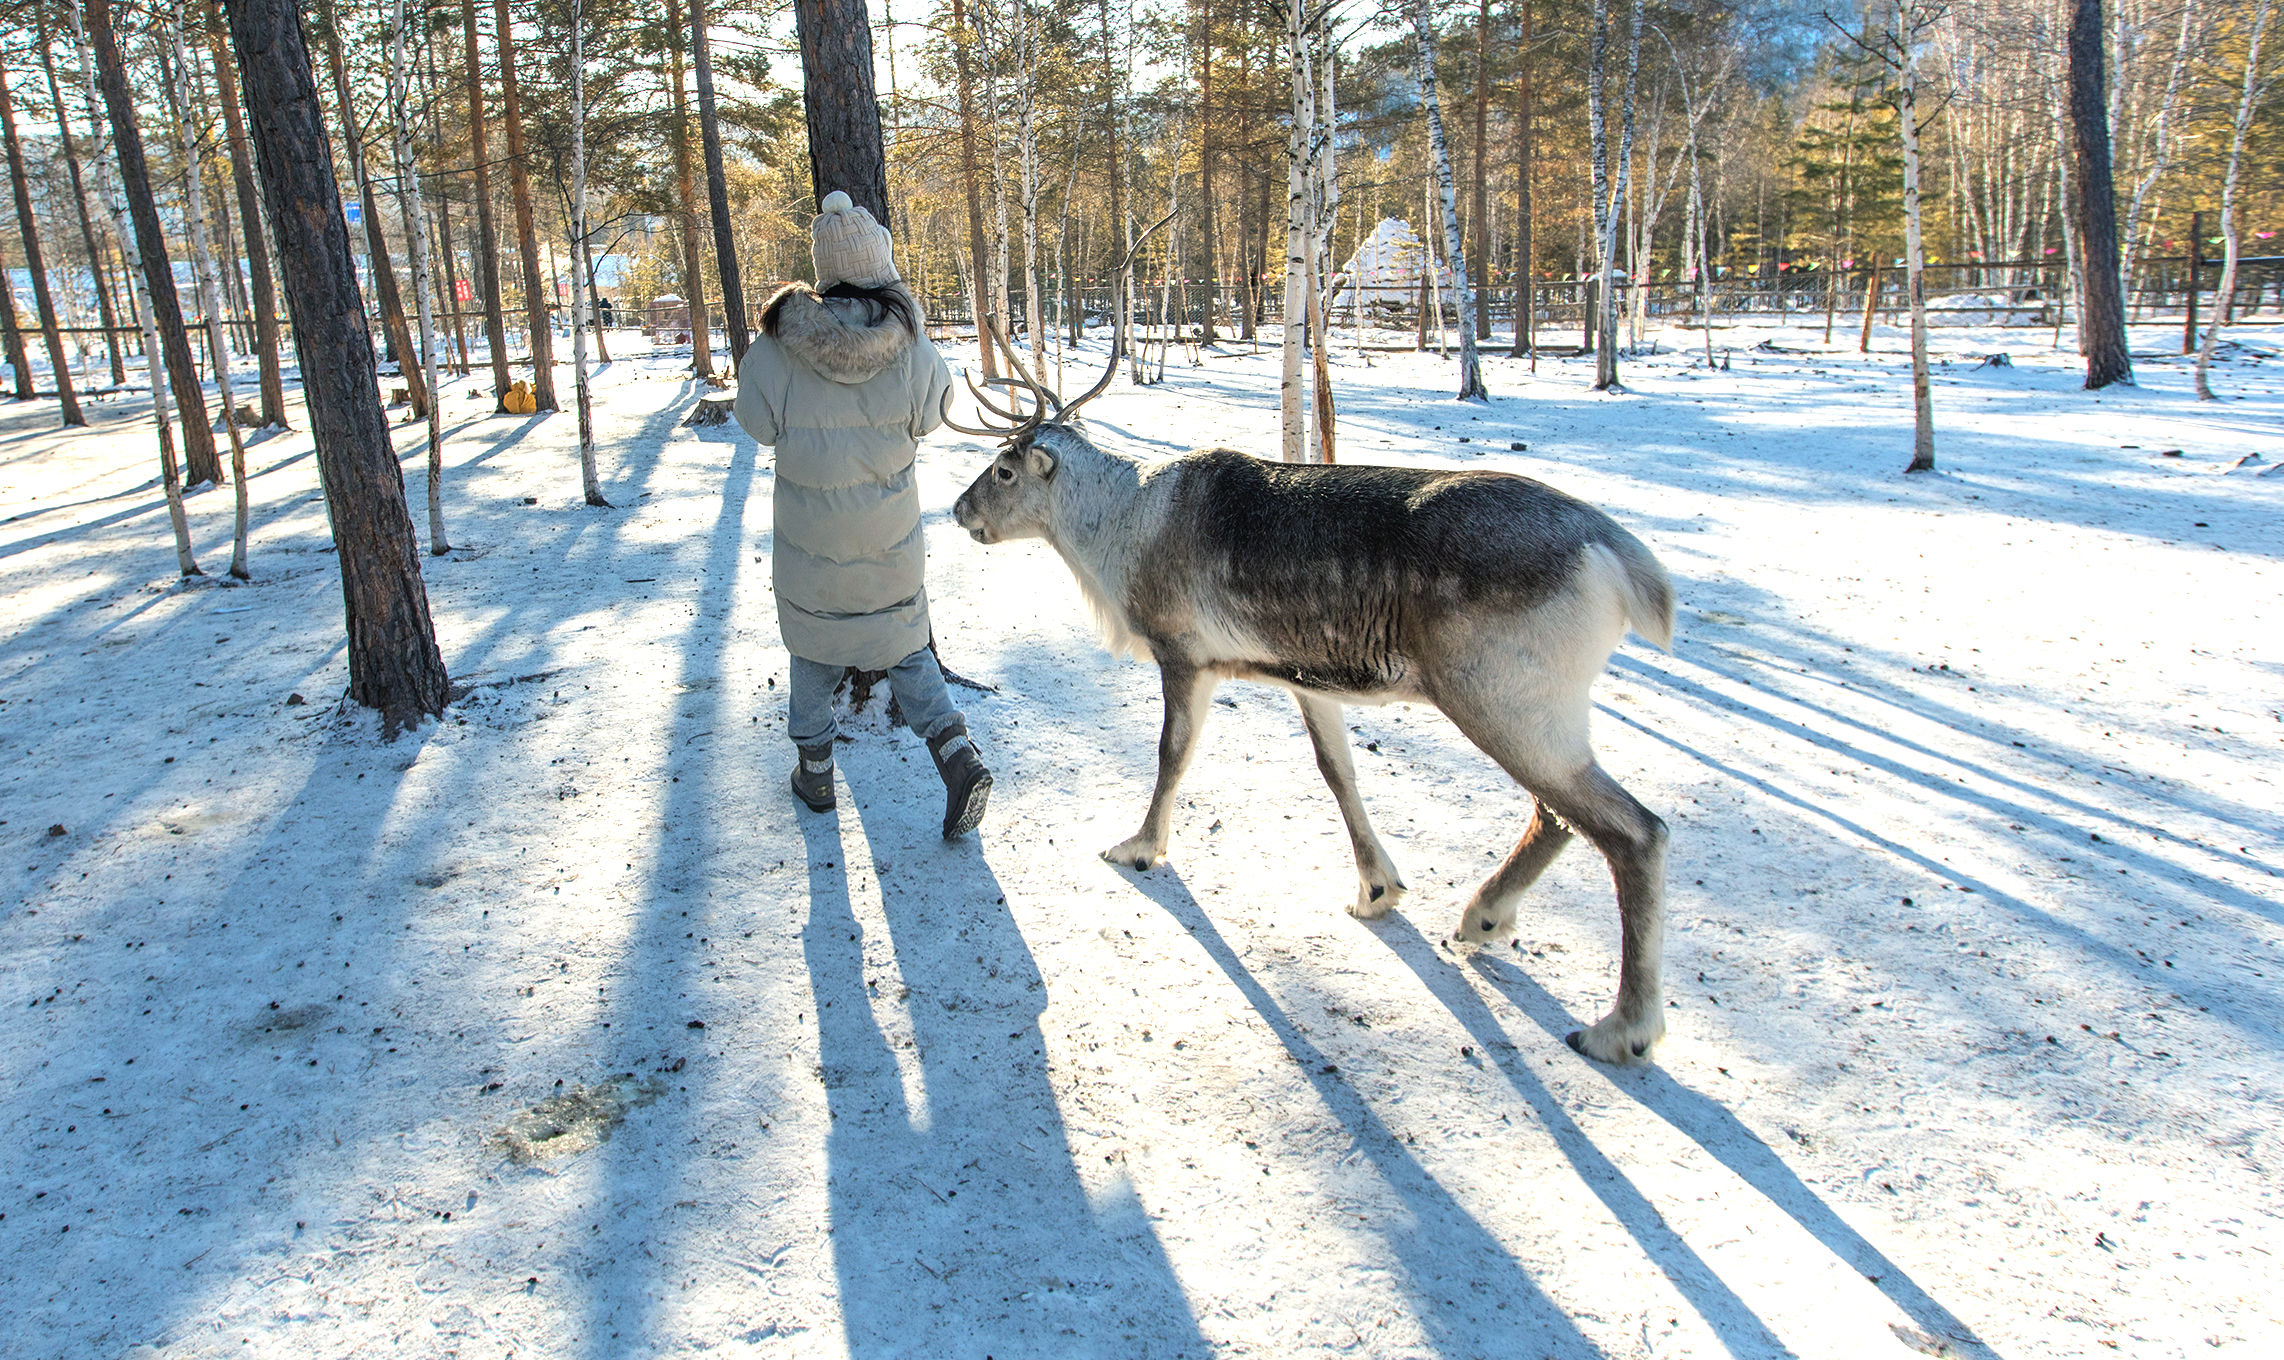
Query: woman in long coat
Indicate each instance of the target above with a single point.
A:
(843, 383)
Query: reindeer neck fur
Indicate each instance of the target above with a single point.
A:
(1101, 518)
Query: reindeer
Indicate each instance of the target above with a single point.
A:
(1493, 597)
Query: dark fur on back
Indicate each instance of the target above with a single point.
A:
(1345, 571)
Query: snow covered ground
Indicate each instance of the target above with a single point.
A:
(552, 1030)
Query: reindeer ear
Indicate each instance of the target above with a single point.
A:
(1038, 462)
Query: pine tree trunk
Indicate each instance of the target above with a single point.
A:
(2101, 304)
(394, 666)
(423, 279)
(1470, 365)
(487, 238)
(846, 149)
(693, 267)
(717, 186)
(393, 325)
(540, 332)
(202, 463)
(33, 262)
(265, 299)
(103, 307)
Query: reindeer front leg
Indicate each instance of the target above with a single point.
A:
(1187, 689)
(1379, 886)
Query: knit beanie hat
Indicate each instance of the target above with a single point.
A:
(849, 246)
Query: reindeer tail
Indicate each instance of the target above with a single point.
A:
(1647, 591)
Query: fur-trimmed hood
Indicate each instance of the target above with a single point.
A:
(833, 336)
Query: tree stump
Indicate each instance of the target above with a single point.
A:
(710, 411)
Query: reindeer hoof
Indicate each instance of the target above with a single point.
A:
(1612, 1041)
(1136, 852)
(1481, 925)
(1376, 899)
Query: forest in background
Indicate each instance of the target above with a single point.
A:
(1073, 124)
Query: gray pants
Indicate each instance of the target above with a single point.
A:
(917, 681)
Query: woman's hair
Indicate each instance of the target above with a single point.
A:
(880, 304)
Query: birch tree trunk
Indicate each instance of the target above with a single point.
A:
(210, 294)
(2161, 150)
(423, 290)
(1292, 414)
(432, 87)
(1208, 223)
(1027, 150)
(114, 198)
(588, 482)
(1002, 312)
(1480, 212)
(394, 666)
(1325, 194)
(1914, 253)
(2251, 93)
(1525, 269)
(36, 266)
(1470, 369)
(1598, 138)
(487, 237)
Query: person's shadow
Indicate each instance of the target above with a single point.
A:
(959, 1223)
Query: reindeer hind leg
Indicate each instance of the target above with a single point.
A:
(1553, 760)
(1490, 913)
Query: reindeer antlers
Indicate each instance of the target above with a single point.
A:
(1118, 320)
(1019, 423)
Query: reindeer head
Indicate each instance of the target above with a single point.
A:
(1010, 498)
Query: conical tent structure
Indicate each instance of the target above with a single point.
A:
(1386, 268)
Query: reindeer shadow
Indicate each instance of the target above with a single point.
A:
(1436, 1238)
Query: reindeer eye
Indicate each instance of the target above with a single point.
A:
(1004, 473)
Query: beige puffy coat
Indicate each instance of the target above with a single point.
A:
(844, 404)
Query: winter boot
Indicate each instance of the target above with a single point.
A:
(813, 777)
(967, 784)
